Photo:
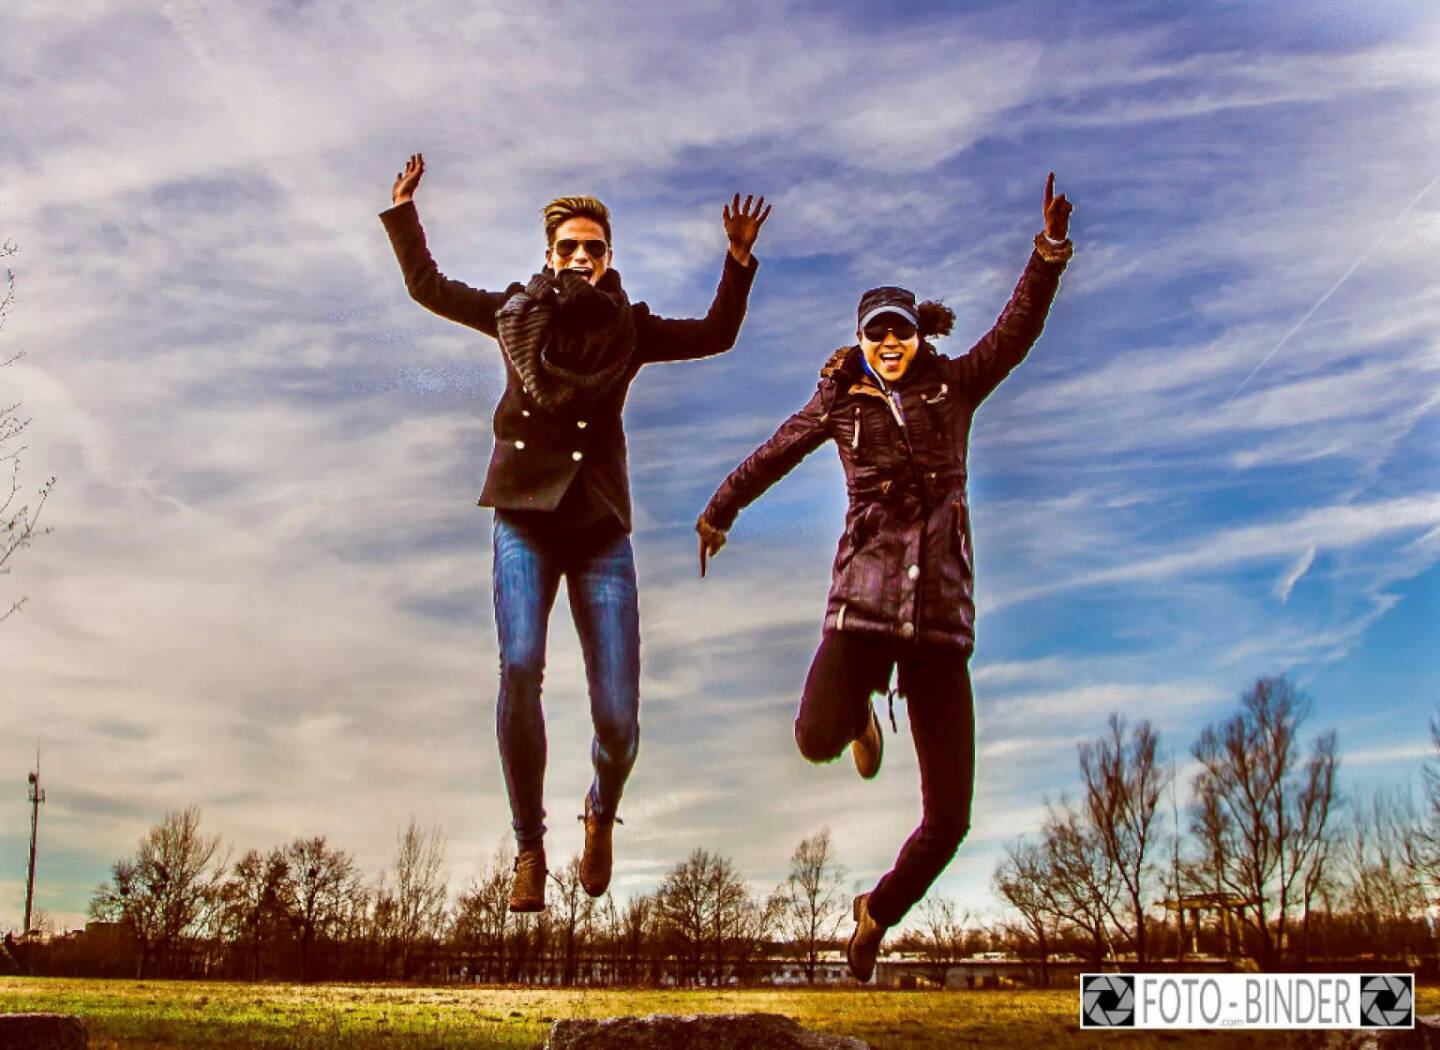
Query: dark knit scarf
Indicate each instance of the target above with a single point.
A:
(568, 341)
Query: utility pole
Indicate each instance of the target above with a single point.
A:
(37, 796)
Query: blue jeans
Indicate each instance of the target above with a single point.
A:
(600, 578)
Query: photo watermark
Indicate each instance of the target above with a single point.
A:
(1246, 1000)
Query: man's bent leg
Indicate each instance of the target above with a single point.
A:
(605, 607)
(936, 683)
(526, 576)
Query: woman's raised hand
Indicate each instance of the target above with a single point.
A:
(1057, 212)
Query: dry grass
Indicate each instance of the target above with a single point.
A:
(147, 1015)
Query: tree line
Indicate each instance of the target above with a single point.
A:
(182, 905)
(1287, 867)
(1307, 873)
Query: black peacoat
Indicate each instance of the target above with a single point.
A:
(539, 453)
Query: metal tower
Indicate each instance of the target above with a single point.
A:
(37, 796)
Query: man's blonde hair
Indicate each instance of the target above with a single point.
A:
(587, 207)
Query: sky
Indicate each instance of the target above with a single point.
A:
(266, 591)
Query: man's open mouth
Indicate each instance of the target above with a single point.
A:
(585, 271)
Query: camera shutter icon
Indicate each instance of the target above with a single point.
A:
(1387, 1000)
(1107, 1001)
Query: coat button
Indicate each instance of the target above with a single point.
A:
(907, 630)
(519, 444)
(575, 456)
(913, 572)
(525, 412)
(581, 424)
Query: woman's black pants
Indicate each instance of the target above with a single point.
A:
(935, 680)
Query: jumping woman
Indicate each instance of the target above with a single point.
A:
(901, 595)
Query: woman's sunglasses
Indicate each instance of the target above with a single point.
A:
(567, 247)
(876, 329)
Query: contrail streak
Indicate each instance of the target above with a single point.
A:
(1343, 278)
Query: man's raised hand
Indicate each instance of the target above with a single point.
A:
(742, 225)
(1057, 212)
(407, 180)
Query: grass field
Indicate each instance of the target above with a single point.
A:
(147, 1015)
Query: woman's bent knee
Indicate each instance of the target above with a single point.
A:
(817, 746)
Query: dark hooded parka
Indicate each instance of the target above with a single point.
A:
(904, 566)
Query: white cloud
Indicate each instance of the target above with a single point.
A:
(268, 588)
(1286, 583)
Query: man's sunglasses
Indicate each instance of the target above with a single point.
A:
(875, 330)
(568, 246)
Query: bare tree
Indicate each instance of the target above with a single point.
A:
(319, 883)
(351, 931)
(1124, 779)
(1261, 816)
(420, 891)
(685, 910)
(740, 924)
(811, 901)
(19, 521)
(607, 939)
(942, 935)
(383, 934)
(1423, 851)
(751, 929)
(1022, 879)
(572, 915)
(252, 902)
(168, 890)
(1083, 886)
(640, 935)
(705, 911)
(1384, 892)
(482, 913)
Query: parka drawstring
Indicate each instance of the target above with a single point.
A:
(890, 703)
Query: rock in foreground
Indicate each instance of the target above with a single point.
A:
(42, 1032)
(694, 1032)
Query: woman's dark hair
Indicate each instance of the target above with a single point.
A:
(935, 318)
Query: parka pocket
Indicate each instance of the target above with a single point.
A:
(960, 536)
(857, 535)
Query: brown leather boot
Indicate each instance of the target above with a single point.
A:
(595, 862)
(527, 888)
(864, 944)
(867, 748)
